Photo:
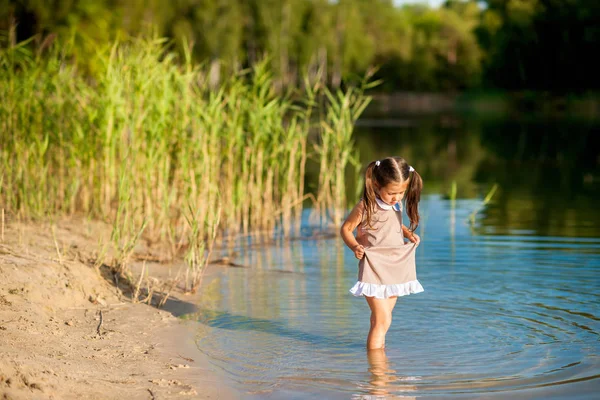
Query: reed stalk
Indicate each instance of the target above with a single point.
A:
(141, 135)
(485, 202)
(336, 151)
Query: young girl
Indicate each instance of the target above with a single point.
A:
(386, 268)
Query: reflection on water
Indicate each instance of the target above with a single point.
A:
(384, 381)
(503, 314)
(510, 307)
(548, 171)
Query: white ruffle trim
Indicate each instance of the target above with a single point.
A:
(386, 291)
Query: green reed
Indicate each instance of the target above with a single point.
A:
(485, 202)
(144, 137)
(335, 149)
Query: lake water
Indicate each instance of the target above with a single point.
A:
(510, 308)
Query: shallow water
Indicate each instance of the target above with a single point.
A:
(504, 313)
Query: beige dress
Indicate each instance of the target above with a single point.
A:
(388, 267)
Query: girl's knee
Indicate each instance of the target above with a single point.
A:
(382, 321)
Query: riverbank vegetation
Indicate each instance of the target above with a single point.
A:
(209, 131)
(516, 45)
(147, 143)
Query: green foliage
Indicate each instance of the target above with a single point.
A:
(464, 44)
(144, 136)
(417, 48)
(541, 44)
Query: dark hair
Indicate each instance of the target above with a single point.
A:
(392, 170)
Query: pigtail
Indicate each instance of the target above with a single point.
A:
(369, 198)
(413, 196)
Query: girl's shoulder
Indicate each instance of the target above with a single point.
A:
(359, 209)
(361, 206)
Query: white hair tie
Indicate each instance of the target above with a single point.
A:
(377, 163)
(410, 168)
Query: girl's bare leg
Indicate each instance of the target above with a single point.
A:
(381, 319)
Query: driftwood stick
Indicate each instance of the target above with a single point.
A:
(99, 325)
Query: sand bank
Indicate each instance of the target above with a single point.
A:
(52, 344)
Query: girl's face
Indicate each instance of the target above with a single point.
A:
(392, 193)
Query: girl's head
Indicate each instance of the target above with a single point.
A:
(392, 180)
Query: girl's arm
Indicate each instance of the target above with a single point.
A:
(348, 227)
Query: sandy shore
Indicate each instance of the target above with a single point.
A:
(52, 344)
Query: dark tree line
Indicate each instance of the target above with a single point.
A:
(547, 45)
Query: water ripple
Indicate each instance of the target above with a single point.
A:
(501, 315)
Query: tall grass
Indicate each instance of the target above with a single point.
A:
(144, 138)
(336, 150)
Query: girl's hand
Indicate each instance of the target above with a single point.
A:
(413, 237)
(359, 251)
